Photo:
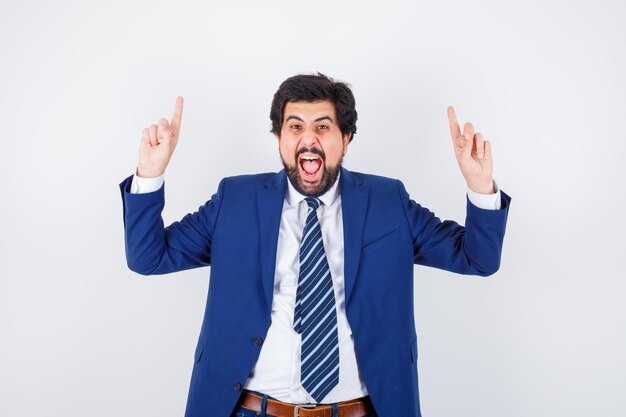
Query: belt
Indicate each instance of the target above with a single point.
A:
(359, 407)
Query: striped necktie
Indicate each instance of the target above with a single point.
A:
(315, 316)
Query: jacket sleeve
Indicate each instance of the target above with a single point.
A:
(473, 250)
(152, 248)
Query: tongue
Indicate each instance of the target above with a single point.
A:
(311, 167)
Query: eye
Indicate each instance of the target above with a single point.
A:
(322, 127)
(295, 126)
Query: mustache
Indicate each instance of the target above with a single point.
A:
(315, 151)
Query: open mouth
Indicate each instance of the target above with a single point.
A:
(310, 165)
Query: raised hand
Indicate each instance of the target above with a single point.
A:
(473, 153)
(158, 143)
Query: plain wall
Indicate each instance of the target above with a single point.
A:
(81, 335)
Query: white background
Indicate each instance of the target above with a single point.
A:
(81, 335)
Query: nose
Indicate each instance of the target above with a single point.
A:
(309, 138)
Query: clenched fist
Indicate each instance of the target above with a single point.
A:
(158, 143)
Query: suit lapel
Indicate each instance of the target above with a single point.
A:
(270, 206)
(353, 207)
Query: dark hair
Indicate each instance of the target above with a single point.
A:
(315, 88)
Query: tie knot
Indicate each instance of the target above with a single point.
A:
(313, 202)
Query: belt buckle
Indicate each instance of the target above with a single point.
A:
(296, 410)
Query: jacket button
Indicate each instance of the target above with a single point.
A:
(237, 386)
(257, 341)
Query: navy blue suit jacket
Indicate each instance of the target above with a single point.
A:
(236, 232)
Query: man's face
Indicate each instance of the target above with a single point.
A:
(311, 146)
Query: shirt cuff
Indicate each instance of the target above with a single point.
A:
(146, 185)
(486, 201)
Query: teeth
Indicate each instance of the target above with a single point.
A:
(310, 158)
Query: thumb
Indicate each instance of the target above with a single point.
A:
(164, 133)
(468, 144)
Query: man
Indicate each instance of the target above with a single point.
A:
(311, 292)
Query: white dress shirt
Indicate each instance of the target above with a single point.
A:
(277, 371)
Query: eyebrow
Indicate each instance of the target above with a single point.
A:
(319, 119)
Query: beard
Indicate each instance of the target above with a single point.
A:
(330, 174)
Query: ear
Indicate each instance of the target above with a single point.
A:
(277, 137)
(346, 142)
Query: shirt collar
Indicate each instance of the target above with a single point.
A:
(328, 198)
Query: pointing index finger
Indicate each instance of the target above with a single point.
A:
(455, 130)
(178, 113)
